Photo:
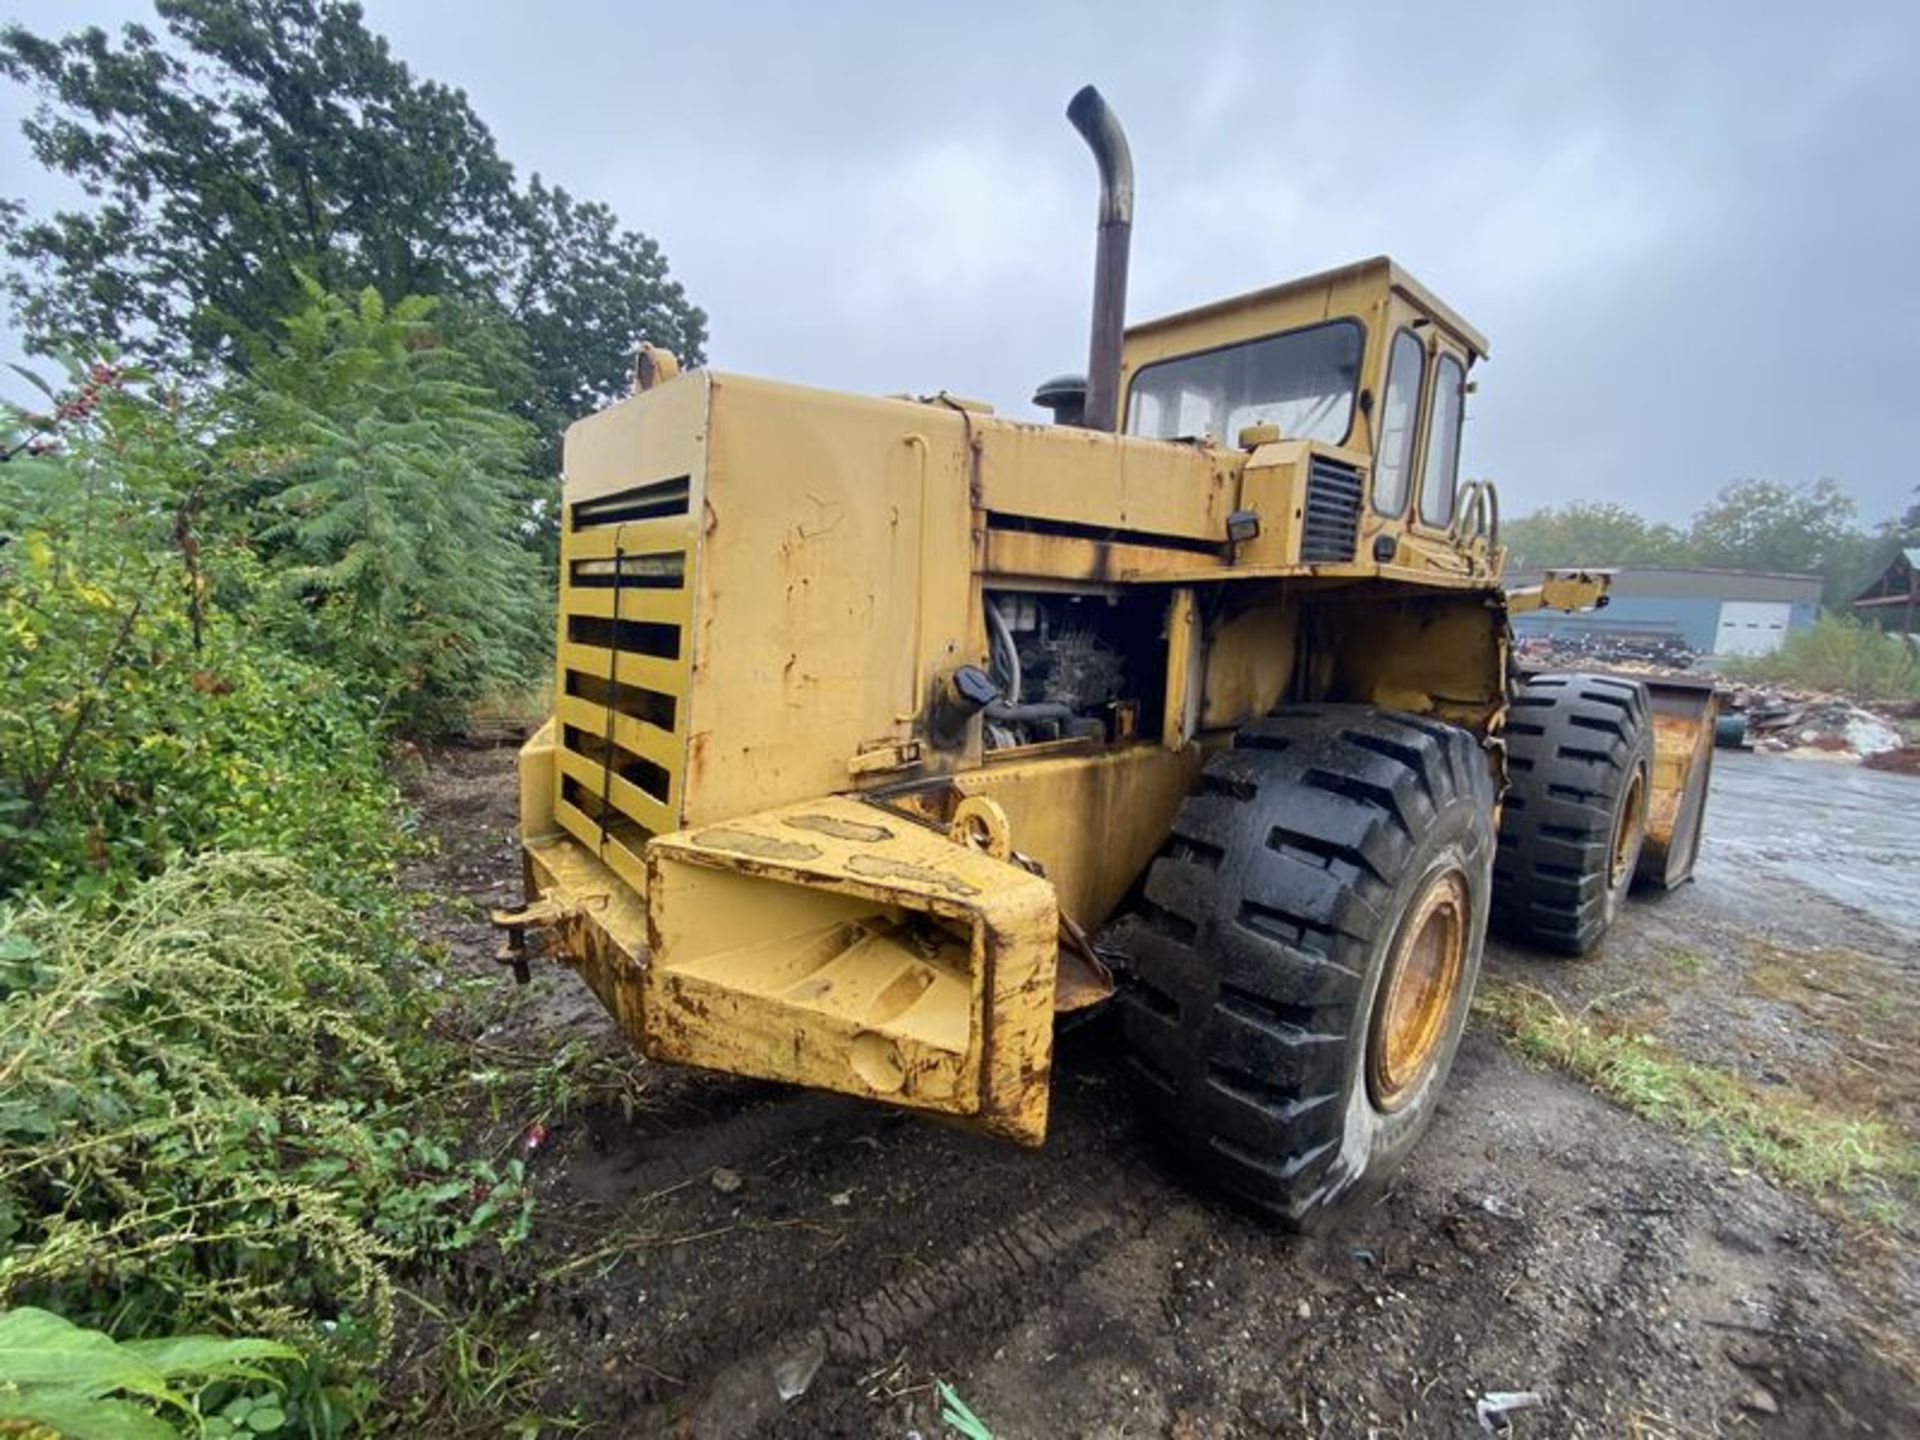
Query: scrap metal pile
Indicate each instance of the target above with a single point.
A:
(1765, 717)
(1814, 725)
(1654, 652)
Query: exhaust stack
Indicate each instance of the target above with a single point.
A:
(1101, 130)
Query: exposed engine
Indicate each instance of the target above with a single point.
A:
(1062, 669)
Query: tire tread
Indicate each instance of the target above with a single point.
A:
(1239, 1025)
(1567, 765)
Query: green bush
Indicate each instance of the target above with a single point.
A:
(218, 1089)
(143, 713)
(1843, 655)
(127, 747)
(202, 1124)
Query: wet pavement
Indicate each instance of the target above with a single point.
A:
(1851, 836)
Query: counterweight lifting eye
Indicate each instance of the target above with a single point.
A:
(980, 824)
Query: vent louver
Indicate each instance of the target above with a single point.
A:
(1330, 529)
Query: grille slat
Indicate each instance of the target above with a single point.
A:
(1330, 528)
(653, 501)
(665, 570)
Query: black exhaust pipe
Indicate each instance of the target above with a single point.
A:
(1101, 130)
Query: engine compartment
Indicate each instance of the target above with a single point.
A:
(1074, 665)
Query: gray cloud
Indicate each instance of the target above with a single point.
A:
(1684, 227)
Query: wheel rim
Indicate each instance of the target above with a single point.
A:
(1418, 993)
(1627, 829)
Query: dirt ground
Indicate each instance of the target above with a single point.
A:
(731, 1239)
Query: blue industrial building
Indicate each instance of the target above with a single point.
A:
(1710, 612)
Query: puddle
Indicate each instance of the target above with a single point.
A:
(1775, 825)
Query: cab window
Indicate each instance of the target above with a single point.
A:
(1443, 443)
(1399, 423)
(1303, 381)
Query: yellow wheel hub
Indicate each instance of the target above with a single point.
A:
(1419, 990)
(1627, 830)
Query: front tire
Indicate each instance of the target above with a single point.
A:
(1307, 948)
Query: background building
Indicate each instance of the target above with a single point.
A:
(1893, 600)
(1710, 612)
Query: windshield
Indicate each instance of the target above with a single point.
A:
(1302, 381)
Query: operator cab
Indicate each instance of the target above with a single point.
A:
(1364, 358)
(1361, 372)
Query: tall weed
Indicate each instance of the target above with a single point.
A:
(201, 1127)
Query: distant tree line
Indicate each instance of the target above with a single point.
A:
(1750, 525)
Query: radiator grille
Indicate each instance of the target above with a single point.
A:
(1331, 527)
(624, 667)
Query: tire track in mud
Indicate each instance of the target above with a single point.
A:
(651, 1181)
(734, 1140)
(1018, 1259)
(692, 1331)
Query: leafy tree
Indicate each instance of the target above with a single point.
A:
(1767, 525)
(1585, 532)
(257, 141)
(394, 485)
(583, 292)
(1799, 529)
(1904, 530)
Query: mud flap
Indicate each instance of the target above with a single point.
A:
(1684, 712)
(834, 945)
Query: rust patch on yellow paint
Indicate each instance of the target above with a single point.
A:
(874, 867)
(697, 744)
(750, 842)
(840, 829)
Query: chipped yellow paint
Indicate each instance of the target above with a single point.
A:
(887, 961)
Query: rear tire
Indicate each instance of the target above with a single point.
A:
(1580, 768)
(1306, 951)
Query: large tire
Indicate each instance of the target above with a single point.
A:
(1255, 1014)
(1580, 768)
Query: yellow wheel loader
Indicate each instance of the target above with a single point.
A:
(886, 731)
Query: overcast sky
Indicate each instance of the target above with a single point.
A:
(1687, 229)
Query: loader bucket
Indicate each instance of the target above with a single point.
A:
(835, 945)
(1684, 711)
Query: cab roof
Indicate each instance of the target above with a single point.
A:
(1380, 269)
